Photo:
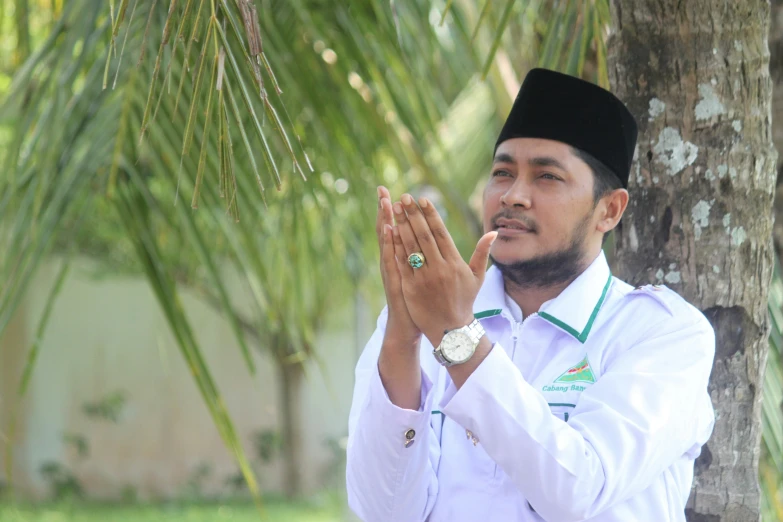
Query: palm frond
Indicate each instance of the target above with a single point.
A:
(356, 95)
(771, 463)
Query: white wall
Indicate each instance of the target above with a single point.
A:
(109, 335)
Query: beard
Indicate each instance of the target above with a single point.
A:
(552, 269)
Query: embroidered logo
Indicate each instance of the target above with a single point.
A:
(580, 372)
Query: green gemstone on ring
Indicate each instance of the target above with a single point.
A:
(416, 260)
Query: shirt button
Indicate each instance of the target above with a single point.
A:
(409, 435)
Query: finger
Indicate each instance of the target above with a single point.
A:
(406, 232)
(388, 216)
(404, 268)
(480, 257)
(421, 229)
(388, 259)
(379, 220)
(384, 216)
(438, 230)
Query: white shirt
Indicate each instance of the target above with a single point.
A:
(594, 408)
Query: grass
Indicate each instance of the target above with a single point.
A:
(275, 510)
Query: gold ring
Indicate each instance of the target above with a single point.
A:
(416, 260)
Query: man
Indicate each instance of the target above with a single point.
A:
(545, 389)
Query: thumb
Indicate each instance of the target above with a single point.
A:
(480, 257)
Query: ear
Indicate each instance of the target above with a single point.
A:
(611, 209)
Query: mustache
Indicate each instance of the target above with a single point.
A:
(509, 214)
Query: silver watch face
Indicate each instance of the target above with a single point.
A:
(457, 347)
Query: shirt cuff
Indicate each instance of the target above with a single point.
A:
(398, 428)
(483, 371)
(496, 402)
(495, 380)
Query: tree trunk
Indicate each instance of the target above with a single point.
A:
(776, 73)
(291, 377)
(696, 75)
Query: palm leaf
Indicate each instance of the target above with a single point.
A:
(771, 464)
(401, 123)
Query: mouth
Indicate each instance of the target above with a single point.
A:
(510, 227)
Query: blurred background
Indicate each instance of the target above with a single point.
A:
(189, 267)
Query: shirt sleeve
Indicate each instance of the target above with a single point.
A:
(648, 409)
(392, 452)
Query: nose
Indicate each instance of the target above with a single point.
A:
(517, 195)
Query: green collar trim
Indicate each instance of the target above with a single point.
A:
(487, 313)
(580, 336)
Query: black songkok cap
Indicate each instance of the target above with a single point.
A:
(555, 106)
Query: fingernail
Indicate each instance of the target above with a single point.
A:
(406, 199)
(397, 208)
(423, 203)
(379, 192)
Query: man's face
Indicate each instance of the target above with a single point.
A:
(539, 197)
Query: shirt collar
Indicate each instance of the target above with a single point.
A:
(490, 300)
(573, 311)
(513, 309)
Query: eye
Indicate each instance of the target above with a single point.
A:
(547, 175)
(500, 172)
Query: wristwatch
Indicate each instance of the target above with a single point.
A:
(459, 345)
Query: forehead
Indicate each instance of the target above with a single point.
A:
(524, 150)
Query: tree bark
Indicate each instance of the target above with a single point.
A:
(291, 379)
(776, 73)
(696, 75)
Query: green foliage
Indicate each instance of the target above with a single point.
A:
(129, 494)
(268, 444)
(771, 462)
(194, 488)
(235, 483)
(324, 511)
(62, 483)
(372, 93)
(79, 443)
(107, 408)
(122, 116)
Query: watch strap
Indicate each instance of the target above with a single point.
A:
(475, 331)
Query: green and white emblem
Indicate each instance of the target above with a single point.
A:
(580, 372)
